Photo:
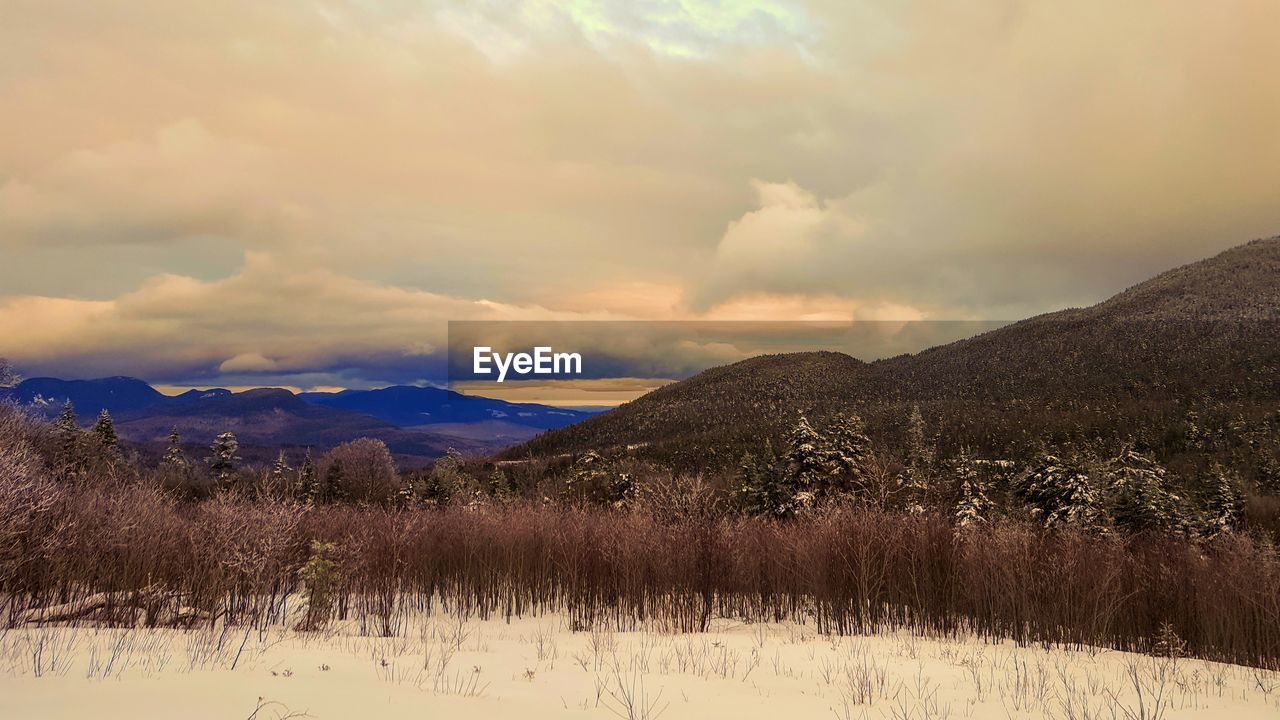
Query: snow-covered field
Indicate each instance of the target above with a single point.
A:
(537, 668)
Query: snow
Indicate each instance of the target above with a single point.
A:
(536, 668)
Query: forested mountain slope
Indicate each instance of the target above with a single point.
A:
(1199, 339)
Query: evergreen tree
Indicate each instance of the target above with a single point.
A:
(223, 461)
(67, 422)
(330, 488)
(104, 430)
(848, 452)
(592, 478)
(587, 470)
(764, 487)
(1225, 502)
(808, 462)
(759, 491)
(974, 506)
(1268, 474)
(1194, 434)
(438, 487)
(1138, 495)
(67, 429)
(280, 471)
(918, 452)
(173, 456)
(307, 487)
(498, 485)
(1060, 493)
(916, 481)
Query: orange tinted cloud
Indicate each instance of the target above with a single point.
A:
(386, 167)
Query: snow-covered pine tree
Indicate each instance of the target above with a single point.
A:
(1268, 473)
(974, 506)
(916, 484)
(67, 427)
(587, 471)
(498, 486)
(281, 473)
(1193, 433)
(67, 430)
(592, 478)
(67, 422)
(918, 453)
(174, 459)
(307, 487)
(223, 461)
(763, 487)
(1059, 493)
(847, 455)
(808, 463)
(173, 456)
(104, 431)
(1138, 495)
(1225, 501)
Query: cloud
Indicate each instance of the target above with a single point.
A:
(783, 246)
(181, 182)
(268, 318)
(248, 362)
(388, 166)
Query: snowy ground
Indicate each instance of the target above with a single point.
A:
(536, 668)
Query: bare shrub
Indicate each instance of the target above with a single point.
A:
(671, 498)
(27, 497)
(845, 570)
(368, 470)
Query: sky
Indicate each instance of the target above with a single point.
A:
(304, 193)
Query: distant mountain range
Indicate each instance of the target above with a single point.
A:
(415, 422)
(1206, 335)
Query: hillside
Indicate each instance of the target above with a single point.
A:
(1198, 336)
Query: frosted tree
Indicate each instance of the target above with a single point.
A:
(587, 469)
(1059, 493)
(807, 461)
(919, 454)
(281, 472)
(1138, 495)
(1225, 502)
(67, 428)
(763, 489)
(916, 482)
(1268, 474)
(67, 421)
(223, 461)
(173, 456)
(498, 485)
(307, 487)
(848, 454)
(8, 376)
(104, 431)
(441, 485)
(1194, 434)
(973, 506)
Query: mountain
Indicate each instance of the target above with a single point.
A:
(408, 406)
(1203, 336)
(90, 397)
(414, 422)
(273, 417)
